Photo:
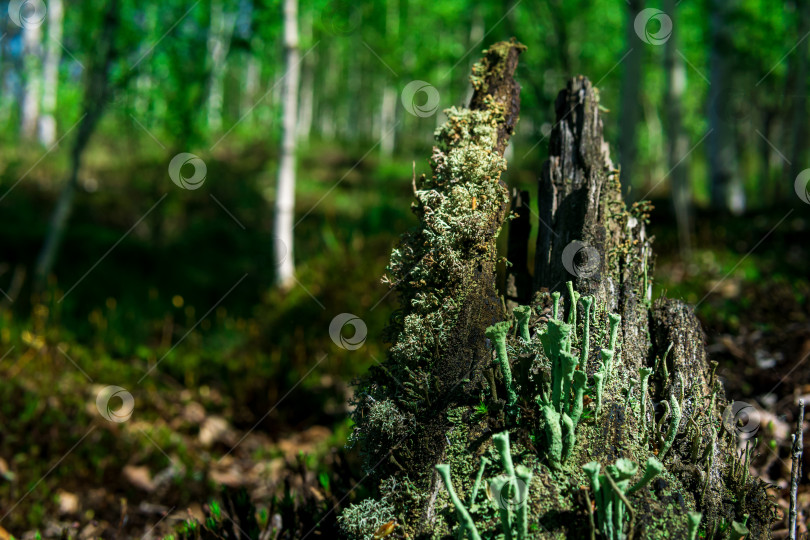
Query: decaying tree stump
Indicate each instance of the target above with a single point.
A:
(598, 378)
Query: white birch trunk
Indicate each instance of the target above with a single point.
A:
(32, 91)
(285, 193)
(219, 41)
(50, 73)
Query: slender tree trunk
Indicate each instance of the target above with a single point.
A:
(677, 142)
(560, 25)
(307, 101)
(50, 73)
(388, 105)
(32, 72)
(96, 96)
(798, 128)
(252, 77)
(630, 101)
(726, 185)
(219, 41)
(285, 193)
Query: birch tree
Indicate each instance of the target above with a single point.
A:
(32, 90)
(50, 73)
(219, 42)
(285, 192)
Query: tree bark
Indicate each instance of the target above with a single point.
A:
(50, 73)
(578, 197)
(285, 192)
(518, 279)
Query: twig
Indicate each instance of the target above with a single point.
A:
(590, 513)
(796, 471)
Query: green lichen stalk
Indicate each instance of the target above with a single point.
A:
(644, 374)
(497, 334)
(653, 469)
(554, 437)
(464, 516)
(580, 380)
(587, 301)
(675, 410)
(523, 314)
(694, 524)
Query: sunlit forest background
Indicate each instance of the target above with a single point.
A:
(113, 272)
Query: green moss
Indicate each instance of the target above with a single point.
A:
(362, 520)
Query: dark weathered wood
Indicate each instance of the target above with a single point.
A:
(518, 279)
(496, 80)
(579, 199)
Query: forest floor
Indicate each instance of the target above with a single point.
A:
(255, 395)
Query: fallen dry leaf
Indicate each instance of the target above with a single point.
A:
(139, 477)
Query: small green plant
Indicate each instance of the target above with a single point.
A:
(482, 409)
